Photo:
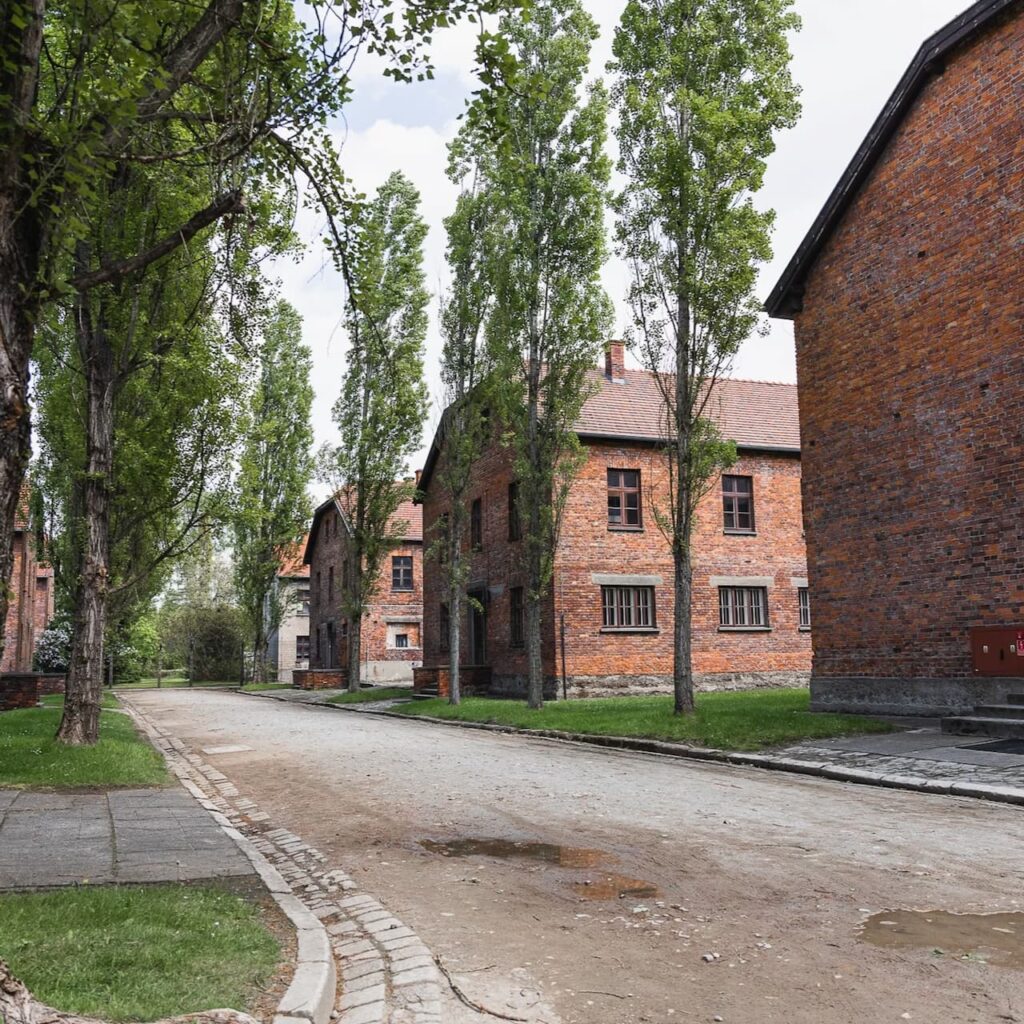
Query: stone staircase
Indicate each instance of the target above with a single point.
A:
(1004, 721)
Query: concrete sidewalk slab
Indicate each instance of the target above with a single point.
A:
(153, 835)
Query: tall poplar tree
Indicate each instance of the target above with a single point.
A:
(383, 398)
(701, 88)
(274, 473)
(545, 179)
(465, 426)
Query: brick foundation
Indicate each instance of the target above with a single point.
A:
(19, 690)
(319, 679)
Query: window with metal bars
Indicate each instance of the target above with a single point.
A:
(804, 599)
(743, 607)
(627, 607)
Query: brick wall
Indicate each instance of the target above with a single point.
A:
(493, 570)
(319, 679)
(18, 690)
(911, 375)
(601, 662)
(402, 610)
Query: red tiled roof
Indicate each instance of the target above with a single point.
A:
(292, 560)
(412, 517)
(754, 414)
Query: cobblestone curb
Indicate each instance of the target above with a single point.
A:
(387, 974)
(890, 773)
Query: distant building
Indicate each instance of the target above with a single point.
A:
(289, 643)
(31, 597)
(392, 624)
(908, 307)
(608, 618)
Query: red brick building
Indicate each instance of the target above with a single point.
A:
(31, 604)
(391, 631)
(613, 575)
(908, 306)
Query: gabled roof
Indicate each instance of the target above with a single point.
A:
(406, 523)
(757, 415)
(786, 298)
(293, 560)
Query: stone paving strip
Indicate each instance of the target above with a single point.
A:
(385, 974)
(922, 760)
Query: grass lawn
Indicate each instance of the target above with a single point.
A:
(375, 693)
(131, 953)
(170, 682)
(262, 687)
(748, 720)
(29, 755)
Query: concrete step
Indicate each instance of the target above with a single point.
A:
(1016, 698)
(982, 725)
(425, 693)
(999, 711)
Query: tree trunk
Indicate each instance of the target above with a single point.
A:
(535, 664)
(682, 668)
(454, 643)
(355, 652)
(80, 725)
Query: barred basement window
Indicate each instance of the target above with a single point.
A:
(627, 607)
(804, 597)
(516, 616)
(738, 503)
(743, 607)
(624, 499)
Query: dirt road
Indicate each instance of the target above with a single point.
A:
(763, 880)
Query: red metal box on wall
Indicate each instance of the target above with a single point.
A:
(998, 651)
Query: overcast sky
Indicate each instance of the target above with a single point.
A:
(847, 59)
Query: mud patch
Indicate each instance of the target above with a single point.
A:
(994, 938)
(614, 887)
(601, 885)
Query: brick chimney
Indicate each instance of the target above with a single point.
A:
(615, 361)
(419, 473)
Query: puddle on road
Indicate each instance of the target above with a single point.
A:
(600, 886)
(614, 887)
(506, 849)
(995, 938)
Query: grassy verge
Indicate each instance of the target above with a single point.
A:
(130, 953)
(262, 687)
(375, 693)
(56, 700)
(29, 755)
(750, 720)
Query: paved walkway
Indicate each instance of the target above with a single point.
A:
(925, 754)
(141, 835)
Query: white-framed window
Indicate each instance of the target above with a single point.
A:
(804, 599)
(627, 607)
(403, 636)
(743, 607)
